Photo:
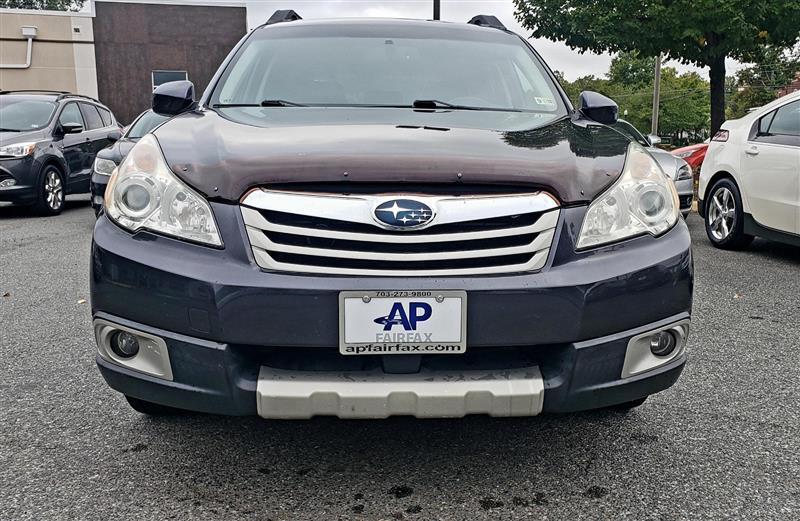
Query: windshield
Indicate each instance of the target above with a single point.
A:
(146, 122)
(386, 66)
(24, 114)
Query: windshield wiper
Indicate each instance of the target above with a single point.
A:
(438, 104)
(10, 130)
(265, 103)
(280, 103)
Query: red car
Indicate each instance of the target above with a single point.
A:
(693, 154)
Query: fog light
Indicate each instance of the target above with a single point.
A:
(663, 343)
(7, 183)
(124, 344)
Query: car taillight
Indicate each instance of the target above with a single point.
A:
(721, 135)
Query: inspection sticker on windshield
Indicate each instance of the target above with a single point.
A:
(398, 322)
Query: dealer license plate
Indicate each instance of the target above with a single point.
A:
(402, 322)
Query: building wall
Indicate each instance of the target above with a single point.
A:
(134, 39)
(63, 55)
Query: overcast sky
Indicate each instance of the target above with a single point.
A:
(557, 55)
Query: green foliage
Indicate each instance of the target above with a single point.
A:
(759, 84)
(684, 107)
(703, 32)
(696, 31)
(53, 5)
(632, 69)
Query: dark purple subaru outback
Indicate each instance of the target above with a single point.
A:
(365, 218)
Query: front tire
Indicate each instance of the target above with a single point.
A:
(724, 219)
(50, 199)
(150, 408)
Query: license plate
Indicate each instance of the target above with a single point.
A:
(402, 322)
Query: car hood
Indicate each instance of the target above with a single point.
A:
(117, 151)
(574, 159)
(9, 138)
(669, 163)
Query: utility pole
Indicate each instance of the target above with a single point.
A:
(656, 96)
(437, 9)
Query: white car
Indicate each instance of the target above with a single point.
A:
(750, 179)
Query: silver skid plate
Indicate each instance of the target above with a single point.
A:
(303, 394)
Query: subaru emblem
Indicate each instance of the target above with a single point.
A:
(403, 214)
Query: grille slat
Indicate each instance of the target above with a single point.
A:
(258, 239)
(391, 247)
(337, 235)
(255, 219)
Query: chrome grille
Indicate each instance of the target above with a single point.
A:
(338, 235)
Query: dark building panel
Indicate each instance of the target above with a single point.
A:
(134, 39)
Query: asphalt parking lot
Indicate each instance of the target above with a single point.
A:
(724, 442)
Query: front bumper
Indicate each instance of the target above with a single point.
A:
(97, 186)
(685, 189)
(224, 320)
(23, 171)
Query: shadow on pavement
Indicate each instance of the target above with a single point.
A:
(392, 458)
(8, 211)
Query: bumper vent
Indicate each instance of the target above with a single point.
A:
(338, 234)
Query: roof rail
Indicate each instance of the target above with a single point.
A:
(33, 91)
(485, 20)
(283, 15)
(70, 95)
(60, 94)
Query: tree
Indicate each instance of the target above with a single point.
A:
(631, 69)
(759, 84)
(684, 102)
(684, 107)
(53, 5)
(574, 89)
(703, 32)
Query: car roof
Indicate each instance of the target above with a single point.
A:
(759, 112)
(54, 96)
(440, 28)
(32, 96)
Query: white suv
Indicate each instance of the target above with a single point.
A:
(750, 180)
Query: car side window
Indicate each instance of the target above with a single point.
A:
(764, 123)
(787, 120)
(779, 127)
(92, 117)
(106, 116)
(71, 114)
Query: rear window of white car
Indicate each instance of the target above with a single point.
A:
(787, 120)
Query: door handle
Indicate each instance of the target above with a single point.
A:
(751, 150)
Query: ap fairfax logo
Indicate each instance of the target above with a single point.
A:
(408, 320)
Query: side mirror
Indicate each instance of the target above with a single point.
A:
(71, 128)
(654, 140)
(114, 136)
(173, 98)
(595, 106)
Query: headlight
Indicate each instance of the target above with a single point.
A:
(643, 200)
(104, 166)
(684, 172)
(17, 150)
(144, 193)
